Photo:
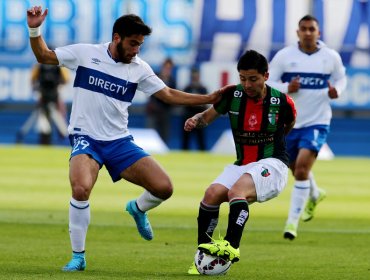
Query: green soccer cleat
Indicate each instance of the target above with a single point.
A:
(309, 210)
(141, 219)
(290, 231)
(221, 248)
(193, 270)
(78, 263)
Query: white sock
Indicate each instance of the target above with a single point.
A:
(79, 220)
(314, 190)
(300, 193)
(147, 201)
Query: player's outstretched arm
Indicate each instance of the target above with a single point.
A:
(201, 120)
(35, 18)
(178, 97)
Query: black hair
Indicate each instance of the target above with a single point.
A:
(131, 24)
(253, 60)
(308, 18)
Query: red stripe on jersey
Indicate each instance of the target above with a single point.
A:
(250, 154)
(252, 122)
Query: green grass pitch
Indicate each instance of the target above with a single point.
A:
(34, 240)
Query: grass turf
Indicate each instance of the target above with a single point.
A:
(34, 241)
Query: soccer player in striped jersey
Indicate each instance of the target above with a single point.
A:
(312, 74)
(107, 76)
(260, 117)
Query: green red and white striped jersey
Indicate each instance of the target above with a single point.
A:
(258, 126)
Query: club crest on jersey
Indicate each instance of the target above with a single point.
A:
(265, 172)
(273, 118)
(252, 121)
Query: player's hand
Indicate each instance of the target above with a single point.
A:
(332, 92)
(190, 124)
(35, 16)
(217, 95)
(294, 85)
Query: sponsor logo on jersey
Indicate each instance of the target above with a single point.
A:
(238, 93)
(107, 85)
(234, 113)
(308, 80)
(274, 100)
(252, 138)
(95, 61)
(96, 81)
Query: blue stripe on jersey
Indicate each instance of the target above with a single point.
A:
(308, 80)
(108, 85)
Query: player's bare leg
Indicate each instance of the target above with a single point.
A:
(147, 173)
(83, 174)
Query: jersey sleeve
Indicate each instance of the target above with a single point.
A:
(291, 112)
(338, 77)
(149, 82)
(222, 107)
(276, 70)
(68, 56)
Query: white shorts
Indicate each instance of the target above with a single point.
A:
(270, 176)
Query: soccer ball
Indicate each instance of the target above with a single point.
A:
(210, 265)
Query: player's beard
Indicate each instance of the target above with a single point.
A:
(309, 44)
(122, 55)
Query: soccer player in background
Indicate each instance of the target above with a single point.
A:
(107, 76)
(260, 117)
(312, 74)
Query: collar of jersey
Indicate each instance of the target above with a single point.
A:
(319, 45)
(110, 55)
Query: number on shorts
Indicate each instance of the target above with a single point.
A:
(80, 144)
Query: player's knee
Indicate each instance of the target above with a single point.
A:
(168, 191)
(80, 193)
(215, 196)
(164, 189)
(301, 173)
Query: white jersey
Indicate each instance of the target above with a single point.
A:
(104, 89)
(314, 71)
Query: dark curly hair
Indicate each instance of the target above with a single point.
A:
(253, 60)
(131, 24)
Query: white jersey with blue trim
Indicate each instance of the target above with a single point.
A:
(104, 89)
(314, 71)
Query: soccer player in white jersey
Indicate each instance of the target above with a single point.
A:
(107, 76)
(312, 74)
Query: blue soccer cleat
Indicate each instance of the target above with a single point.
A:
(141, 219)
(78, 263)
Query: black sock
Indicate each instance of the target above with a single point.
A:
(207, 222)
(238, 216)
